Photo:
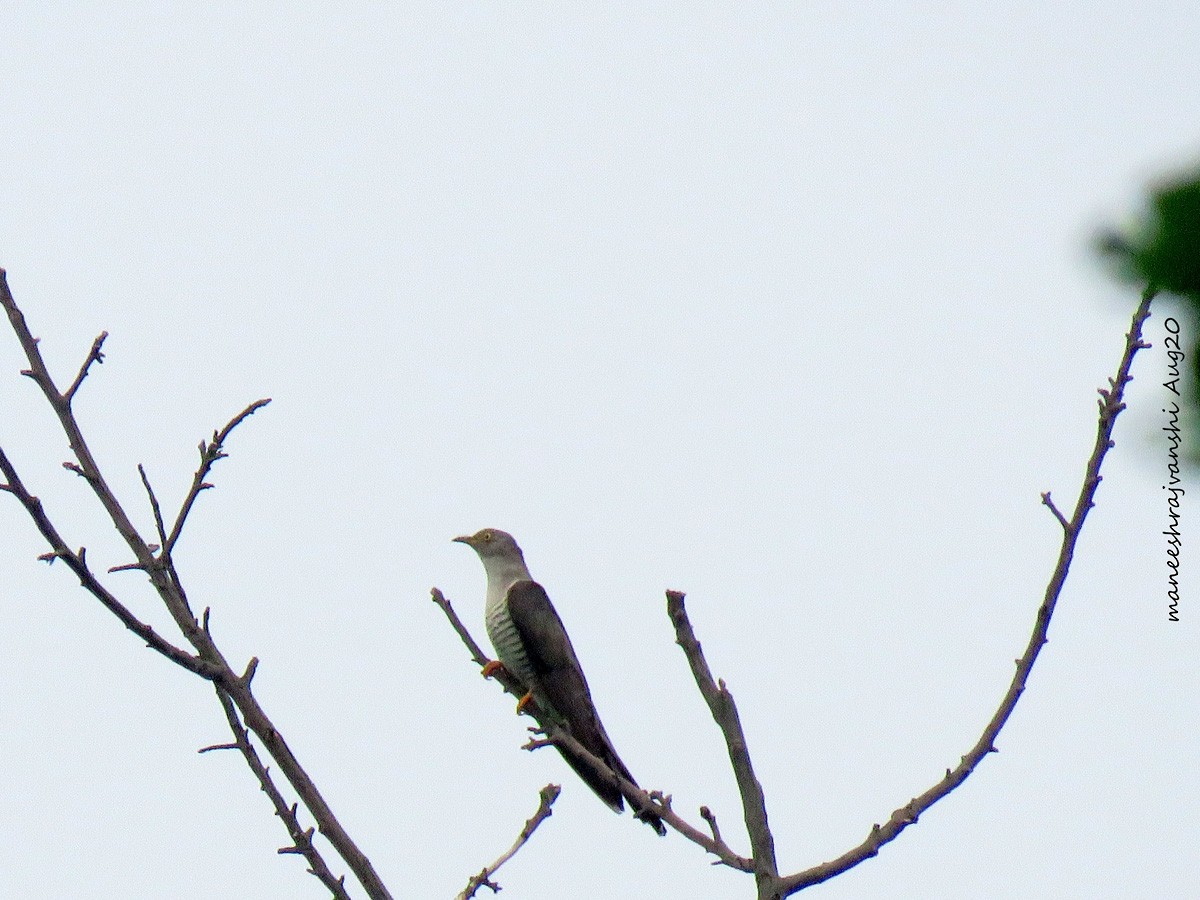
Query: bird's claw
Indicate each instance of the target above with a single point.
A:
(491, 667)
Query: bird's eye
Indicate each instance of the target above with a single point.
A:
(486, 536)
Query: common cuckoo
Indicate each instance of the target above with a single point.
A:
(533, 645)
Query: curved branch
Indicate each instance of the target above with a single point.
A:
(1111, 404)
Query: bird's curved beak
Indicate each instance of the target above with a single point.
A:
(462, 539)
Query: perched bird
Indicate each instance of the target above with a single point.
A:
(533, 645)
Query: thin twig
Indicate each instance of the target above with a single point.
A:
(158, 519)
(94, 356)
(707, 815)
(164, 559)
(1049, 504)
(547, 796)
(209, 454)
(1111, 404)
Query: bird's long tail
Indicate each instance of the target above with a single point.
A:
(602, 783)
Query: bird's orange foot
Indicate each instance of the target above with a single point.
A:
(492, 667)
(524, 702)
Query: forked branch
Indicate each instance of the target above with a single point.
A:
(155, 560)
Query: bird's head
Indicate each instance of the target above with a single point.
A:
(492, 543)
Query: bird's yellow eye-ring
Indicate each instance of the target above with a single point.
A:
(486, 536)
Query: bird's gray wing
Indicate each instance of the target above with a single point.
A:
(561, 683)
(560, 679)
(551, 656)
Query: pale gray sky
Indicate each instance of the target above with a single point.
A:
(787, 306)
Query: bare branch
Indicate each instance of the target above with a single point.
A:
(209, 454)
(86, 466)
(158, 519)
(256, 721)
(1111, 404)
(251, 668)
(77, 562)
(547, 796)
(209, 662)
(1062, 520)
(94, 356)
(302, 842)
(16, 319)
(211, 747)
(724, 712)
(707, 815)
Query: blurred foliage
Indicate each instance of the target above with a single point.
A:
(1164, 249)
(1162, 252)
